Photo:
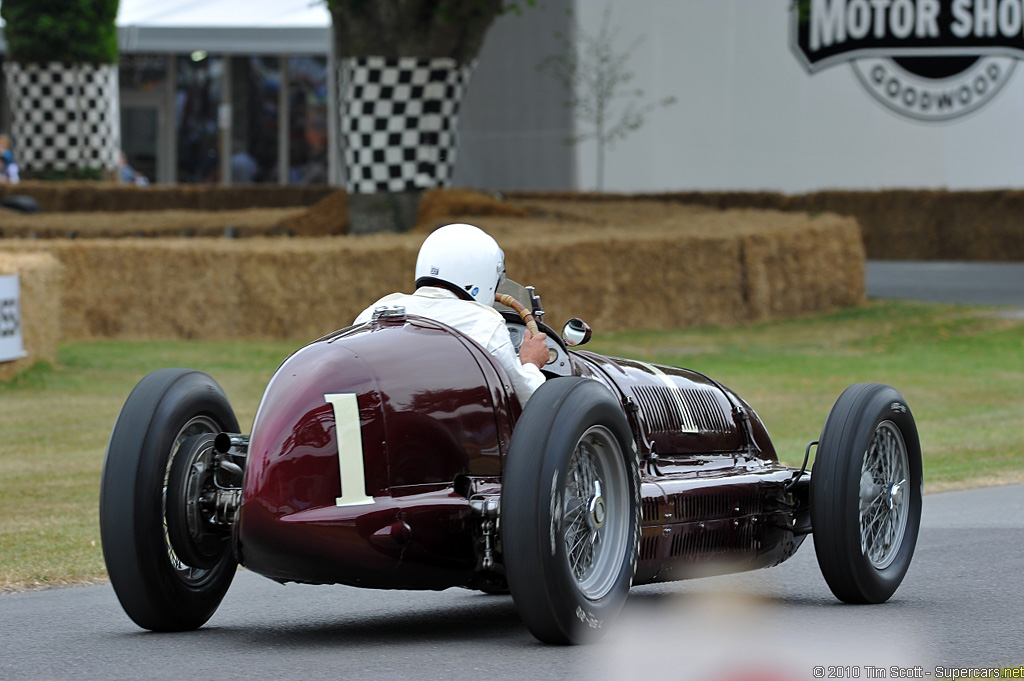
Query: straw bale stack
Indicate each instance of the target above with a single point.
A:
(219, 288)
(789, 272)
(908, 224)
(86, 196)
(152, 223)
(41, 312)
(629, 265)
(329, 217)
(897, 224)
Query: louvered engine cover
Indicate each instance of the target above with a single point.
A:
(682, 412)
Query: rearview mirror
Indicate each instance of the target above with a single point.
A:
(575, 332)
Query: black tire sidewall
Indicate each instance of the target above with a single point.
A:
(131, 501)
(835, 493)
(545, 591)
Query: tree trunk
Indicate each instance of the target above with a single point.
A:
(403, 67)
(382, 211)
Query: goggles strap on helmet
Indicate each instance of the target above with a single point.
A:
(448, 286)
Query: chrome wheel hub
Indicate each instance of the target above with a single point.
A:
(596, 509)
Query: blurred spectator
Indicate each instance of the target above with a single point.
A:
(244, 168)
(8, 168)
(129, 175)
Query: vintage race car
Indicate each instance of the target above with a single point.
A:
(394, 455)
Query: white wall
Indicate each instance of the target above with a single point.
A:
(750, 117)
(513, 122)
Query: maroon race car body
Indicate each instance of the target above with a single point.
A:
(378, 458)
(717, 490)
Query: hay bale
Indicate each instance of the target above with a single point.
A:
(687, 265)
(328, 217)
(896, 224)
(40, 280)
(444, 206)
(638, 282)
(86, 196)
(307, 288)
(220, 288)
(154, 223)
(791, 272)
(161, 288)
(619, 265)
(104, 215)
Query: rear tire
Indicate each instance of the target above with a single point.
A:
(866, 488)
(156, 588)
(569, 511)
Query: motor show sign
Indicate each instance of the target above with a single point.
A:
(930, 60)
(11, 346)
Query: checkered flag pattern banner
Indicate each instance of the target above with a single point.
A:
(399, 120)
(64, 116)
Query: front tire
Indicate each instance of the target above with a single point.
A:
(569, 511)
(156, 588)
(866, 489)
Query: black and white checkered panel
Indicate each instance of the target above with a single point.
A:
(64, 116)
(399, 121)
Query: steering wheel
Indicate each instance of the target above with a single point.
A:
(558, 361)
(508, 301)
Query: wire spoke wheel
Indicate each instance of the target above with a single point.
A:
(570, 521)
(594, 525)
(866, 493)
(883, 502)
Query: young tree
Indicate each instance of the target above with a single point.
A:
(403, 67)
(598, 86)
(61, 78)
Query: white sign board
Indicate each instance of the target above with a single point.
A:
(11, 346)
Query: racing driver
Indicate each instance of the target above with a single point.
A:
(458, 269)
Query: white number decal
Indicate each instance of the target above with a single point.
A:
(350, 449)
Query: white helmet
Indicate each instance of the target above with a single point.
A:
(463, 258)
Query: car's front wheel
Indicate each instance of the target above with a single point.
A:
(569, 511)
(866, 493)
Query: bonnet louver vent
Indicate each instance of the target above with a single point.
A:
(681, 410)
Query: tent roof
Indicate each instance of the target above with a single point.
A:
(223, 26)
(224, 13)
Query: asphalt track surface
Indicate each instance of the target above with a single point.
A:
(959, 606)
(971, 283)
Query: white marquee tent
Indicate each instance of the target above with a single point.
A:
(225, 26)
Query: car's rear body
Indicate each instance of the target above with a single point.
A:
(424, 417)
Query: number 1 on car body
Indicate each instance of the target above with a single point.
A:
(350, 449)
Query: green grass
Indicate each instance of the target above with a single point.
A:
(961, 370)
(55, 424)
